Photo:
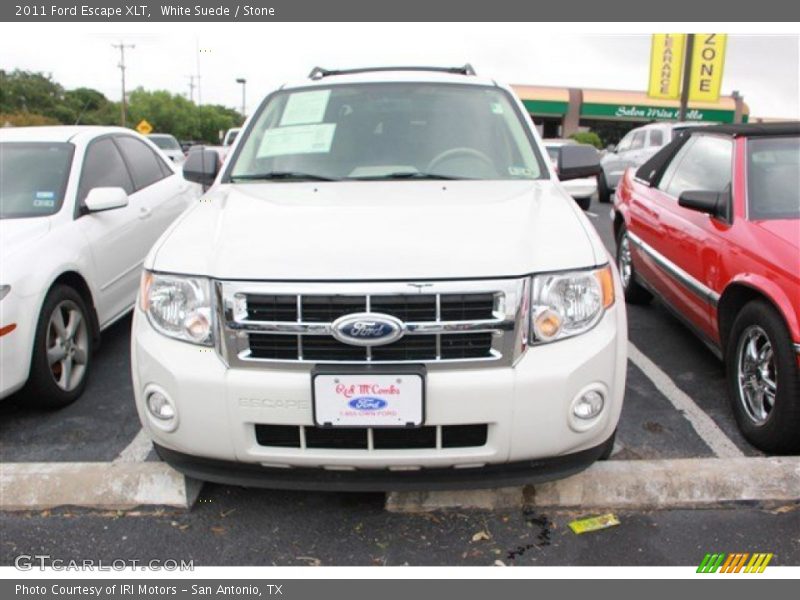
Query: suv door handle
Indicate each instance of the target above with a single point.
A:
(145, 213)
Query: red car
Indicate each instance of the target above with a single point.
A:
(711, 225)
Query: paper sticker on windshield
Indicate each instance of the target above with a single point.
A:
(305, 107)
(520, 171)
(299, 139)
(497, 108)
(44, 200)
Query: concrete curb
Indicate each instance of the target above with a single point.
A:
(635, 484)
(104, 485)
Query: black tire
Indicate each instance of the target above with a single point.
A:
(634, 292)
(584, 203)
(777, 433)
(603, 191)
(42, 389)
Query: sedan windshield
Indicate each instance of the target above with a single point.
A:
(773, 178)
(33, 178)
(165, 142)
(397, 131)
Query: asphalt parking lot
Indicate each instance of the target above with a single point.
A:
(103, 424)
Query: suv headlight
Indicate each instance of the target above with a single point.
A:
(569, 303)
(178, 307)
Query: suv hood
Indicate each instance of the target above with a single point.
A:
(379, 230)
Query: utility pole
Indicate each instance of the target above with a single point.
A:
(197, 63)
(687, 76)
(191, 87)
(124, 104)
(243, 82)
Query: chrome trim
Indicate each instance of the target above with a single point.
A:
(797, 348)
(507, 325)
(690, 282)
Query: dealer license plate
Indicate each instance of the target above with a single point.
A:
(369, 399)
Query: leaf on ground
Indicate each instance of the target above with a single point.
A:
(499, 563)
(311, 560)
(481, 535)
(218, 530)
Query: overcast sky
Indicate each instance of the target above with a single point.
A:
(764, 68)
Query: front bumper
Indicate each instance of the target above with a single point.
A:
(526, 407)
(490, 476)
(16, 346)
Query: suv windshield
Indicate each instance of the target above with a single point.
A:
(773, 177)
(33, 177)
(388, 131)
(165, 142)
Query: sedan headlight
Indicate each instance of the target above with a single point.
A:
(178, 307)
(569, 303)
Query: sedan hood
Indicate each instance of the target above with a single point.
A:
(18, 234)
(379, 230)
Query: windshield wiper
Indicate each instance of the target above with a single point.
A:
(272, 175)
(406, 175)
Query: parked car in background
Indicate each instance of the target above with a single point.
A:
(633, 150)
(376, 296)
(711, 225)
(169, 146)
(581, 189)
(79, 209)
(230, 136)
(186, 145)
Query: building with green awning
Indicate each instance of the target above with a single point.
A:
(560, 112)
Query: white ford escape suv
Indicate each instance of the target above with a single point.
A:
(384, 288)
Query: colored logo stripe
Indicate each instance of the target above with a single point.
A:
(734, 563)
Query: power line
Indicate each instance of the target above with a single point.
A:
(124, 104)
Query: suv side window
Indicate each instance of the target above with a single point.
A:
(656, 137)
(705, 164)
(103, 167)
(145, 164)
(638, 140)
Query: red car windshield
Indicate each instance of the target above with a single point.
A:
(773, 178)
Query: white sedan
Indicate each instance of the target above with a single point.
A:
(80, 208)
(581, 189)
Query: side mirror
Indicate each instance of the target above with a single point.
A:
(711, 203)
(611, 148)
(201, 166)
(576, 161)
(105, 198)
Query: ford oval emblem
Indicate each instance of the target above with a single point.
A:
(367, 403)
(367, 329)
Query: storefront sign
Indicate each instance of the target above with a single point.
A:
(708, 60)
(666, 64)
(652, 113)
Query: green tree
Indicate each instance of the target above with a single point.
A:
(588, 137)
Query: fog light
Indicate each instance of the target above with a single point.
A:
(589, 405)
(160, 406)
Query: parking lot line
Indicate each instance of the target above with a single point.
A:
(704, 425)
(137, 450)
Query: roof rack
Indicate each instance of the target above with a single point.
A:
(319, 72)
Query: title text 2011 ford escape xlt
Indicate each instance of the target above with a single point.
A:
(385, 287)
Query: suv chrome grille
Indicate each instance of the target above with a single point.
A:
(479, 323)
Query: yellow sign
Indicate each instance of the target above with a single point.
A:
(708, 60)
(666, 65)
(144, 127)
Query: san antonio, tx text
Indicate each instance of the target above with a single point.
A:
(129, 589)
